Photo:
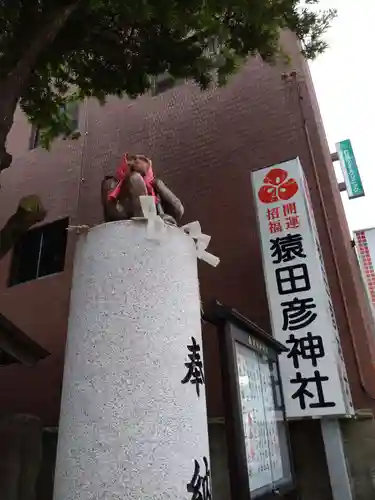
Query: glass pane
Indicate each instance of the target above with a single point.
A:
(272, 419)
(163, 83)
(285, 473)
(72, 108)
(52, 259)
(254, 418)
(25, 258)
(266, 438)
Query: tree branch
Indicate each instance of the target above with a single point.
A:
(14, 83)
(44, 38)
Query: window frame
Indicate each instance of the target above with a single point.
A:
(34, 137)
(157, 86)
(18, 253)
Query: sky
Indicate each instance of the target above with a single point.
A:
(344, 79)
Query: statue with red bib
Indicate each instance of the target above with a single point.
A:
(135, 178)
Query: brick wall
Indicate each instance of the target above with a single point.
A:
(204, 145)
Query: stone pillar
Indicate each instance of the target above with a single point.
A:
(129, 428)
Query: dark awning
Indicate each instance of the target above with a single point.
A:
(16, 346)
(215, 312)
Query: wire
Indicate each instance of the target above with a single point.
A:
(82, 159)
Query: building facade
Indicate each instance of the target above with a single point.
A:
(204, 146)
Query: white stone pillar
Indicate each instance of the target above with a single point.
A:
(129, 428)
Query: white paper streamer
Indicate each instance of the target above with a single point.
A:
(156, 228)
(201, 241)
(155, 225)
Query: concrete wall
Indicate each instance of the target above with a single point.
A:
(359, 445)
(39, 307)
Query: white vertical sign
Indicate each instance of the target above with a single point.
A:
(313, 370)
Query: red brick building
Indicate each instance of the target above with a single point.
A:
(204, 145)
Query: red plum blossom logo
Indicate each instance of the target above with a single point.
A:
(277, 186)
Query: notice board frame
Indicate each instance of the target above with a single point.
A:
(253, 337)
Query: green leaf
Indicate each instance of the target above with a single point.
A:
(113, 47)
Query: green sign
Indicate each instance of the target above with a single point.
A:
(350, 170)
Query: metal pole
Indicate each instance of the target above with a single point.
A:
(334, 449)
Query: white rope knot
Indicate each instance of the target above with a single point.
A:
(156, 227)
(81, 229)
(201, 240)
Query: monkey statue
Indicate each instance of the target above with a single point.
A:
(135, 178)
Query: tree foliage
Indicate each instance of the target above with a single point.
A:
(56, 51)
(30, 211)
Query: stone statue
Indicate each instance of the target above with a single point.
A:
(135, 178)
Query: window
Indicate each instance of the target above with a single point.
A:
(162, 83)
(34, 137)
(39, 252)
(73, 111)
